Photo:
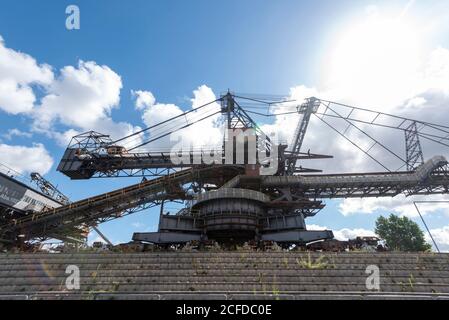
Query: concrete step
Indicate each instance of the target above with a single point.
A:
(117, 271)
(164, 257)
(220, 287)
(224, 267)
(180, 279)
(228, 273)
(335, 295)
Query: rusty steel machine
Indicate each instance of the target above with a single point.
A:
(251, 188)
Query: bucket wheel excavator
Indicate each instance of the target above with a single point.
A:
(249, 186)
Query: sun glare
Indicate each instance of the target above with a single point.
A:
(378, 54)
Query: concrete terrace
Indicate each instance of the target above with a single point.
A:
(225, 275)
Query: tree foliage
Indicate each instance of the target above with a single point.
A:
(401, 234)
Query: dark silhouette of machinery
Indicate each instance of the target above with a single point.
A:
(254, 189)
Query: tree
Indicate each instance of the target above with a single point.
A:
(401, 234)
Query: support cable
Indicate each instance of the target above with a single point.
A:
(427, 136)
(369, 136)
(170, 132)
(169, 127)
(354, 144)
(428, 230)
(432, 125)
(165, 121)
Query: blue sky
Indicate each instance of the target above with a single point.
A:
(170, 48)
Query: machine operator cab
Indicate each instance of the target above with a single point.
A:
(116, 150)
(82, 154)
(112, 150)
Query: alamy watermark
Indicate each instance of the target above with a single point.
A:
(73, 20)
(241, 146)
(72, 282)
(373, 280)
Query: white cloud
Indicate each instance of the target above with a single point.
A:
(16, 133)
(80, 96)
(159, 112)
(26, 159)
(144, 99)
(18, 72)
(284, 125)
(15, 98)
(441, 236)
(345, 233)
(196, 133)
(436, 71)
(156, 112)
(400, 205)
(82, 99)
(203, 95)
(415, 102)
(63, 138)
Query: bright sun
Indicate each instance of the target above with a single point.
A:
(379, 55)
